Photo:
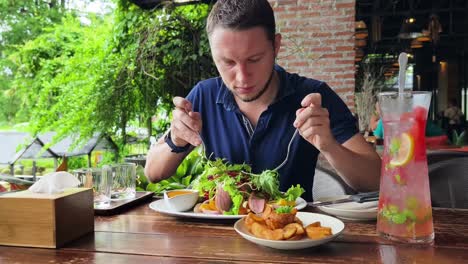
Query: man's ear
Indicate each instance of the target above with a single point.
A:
(277, 44)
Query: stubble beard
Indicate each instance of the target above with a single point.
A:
(260, 93)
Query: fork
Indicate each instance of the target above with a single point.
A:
(277, 168)
(287, 153)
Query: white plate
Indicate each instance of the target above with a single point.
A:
(160, 207)
(336, 225)
(351, 210)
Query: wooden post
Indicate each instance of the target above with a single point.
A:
(34, 170)
(89, 160)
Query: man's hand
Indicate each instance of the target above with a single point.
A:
(185, 125)
(313, 122)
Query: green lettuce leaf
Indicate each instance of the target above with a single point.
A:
(284, 209)
(293, 193)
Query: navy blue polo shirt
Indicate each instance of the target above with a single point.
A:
(226, 135)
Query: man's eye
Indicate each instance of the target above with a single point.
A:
(253, 60)
(229, 63)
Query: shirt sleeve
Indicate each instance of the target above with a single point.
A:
(342, 122)
(194, 97)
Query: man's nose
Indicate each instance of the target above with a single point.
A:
(243, 74)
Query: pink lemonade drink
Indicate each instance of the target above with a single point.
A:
(405, 211)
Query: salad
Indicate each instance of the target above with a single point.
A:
(232, 189)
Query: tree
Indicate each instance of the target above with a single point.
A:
(21, 21)
(166, 52)
(117, 70)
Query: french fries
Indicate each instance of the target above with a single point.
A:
(316, 231)
(273, 226)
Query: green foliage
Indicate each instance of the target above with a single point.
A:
(458, 139)
(78, 162)
(121, 69)
(190, 168)
(162, 53)
(142, 181)
(21, 21)
(46, 163)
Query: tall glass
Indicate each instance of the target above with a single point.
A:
(405, 211)
(123, 180)
(101, 183)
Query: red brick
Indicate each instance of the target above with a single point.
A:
(286, 16)
(283, 2)
(318, 41)
(322, 49)
(345, 90)
(345, 62)
(344, 48)
(344, 33)
(332, 55)
(333, 69)
(334, 42)
(286, 30)
(322, 35)
(345, 5)
(344, 19)
(295, 8)
(345, 76)
(320, 76)
(299, 64)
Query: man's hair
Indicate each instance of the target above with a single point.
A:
(241, 15)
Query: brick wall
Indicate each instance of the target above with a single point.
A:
(318, 41)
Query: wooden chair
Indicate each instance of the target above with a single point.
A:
(449, 183)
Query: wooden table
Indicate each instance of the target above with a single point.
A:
(144, 236)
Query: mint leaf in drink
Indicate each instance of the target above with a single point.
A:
(393, 208)
(399, 218)
(409, 214)
(412, 203)
(395, 145)
(399, 180)
(386, 213)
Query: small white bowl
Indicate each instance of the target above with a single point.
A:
(180, 200)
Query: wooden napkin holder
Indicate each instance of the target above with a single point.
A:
(45, 220)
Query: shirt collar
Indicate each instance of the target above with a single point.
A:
(226, 98)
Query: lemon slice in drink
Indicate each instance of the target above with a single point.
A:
(405, 151)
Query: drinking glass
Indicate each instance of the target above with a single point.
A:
(405, 211)
(124, 180)
(101, 184)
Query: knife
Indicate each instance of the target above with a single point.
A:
(359, 198)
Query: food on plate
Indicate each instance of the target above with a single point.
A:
(282, 224)
(9, 186)
(316, 231)
(232, 189)
(280, 217)
(174, 193)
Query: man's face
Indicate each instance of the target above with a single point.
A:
(244, 59)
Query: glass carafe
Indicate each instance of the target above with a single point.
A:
(405, 211)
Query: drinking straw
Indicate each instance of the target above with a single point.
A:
(402, 61)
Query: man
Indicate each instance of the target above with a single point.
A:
(251, 112)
